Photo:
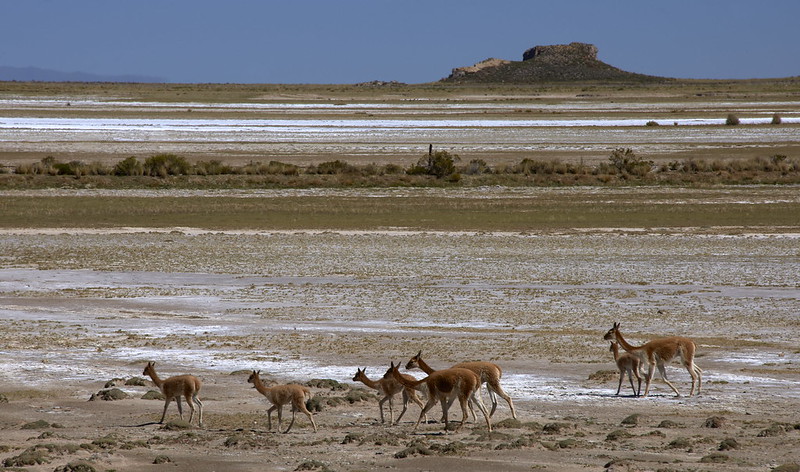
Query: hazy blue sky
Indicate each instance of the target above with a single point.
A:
(413, 41)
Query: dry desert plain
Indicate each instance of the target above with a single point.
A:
(85, 304)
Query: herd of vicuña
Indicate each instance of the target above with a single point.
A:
(462, 382)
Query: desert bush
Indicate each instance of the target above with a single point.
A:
(651, 123)
(43, 167)
(732, 120)
(213, 167)
(392, 169)
(776, 119)
(70, 168)
(31, 456)
(79, 466)
(530, 167)
(51, 166)
(371, 169)
(333, 168)
(272, 168)
(627, 162)
(439, 164)
(695, 165)
(477, 166)
(38, 424)
(162, 165)
(130, 166)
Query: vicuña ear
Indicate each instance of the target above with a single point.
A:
(419, 354)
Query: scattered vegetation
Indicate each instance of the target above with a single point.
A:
(439, 168)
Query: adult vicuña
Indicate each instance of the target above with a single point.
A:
(389, 387)
(627, 363)
(280, 395)
(444, 386)
(487, 372)
(187, 386)
(659, 351)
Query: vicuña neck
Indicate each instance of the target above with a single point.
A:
(625, 345)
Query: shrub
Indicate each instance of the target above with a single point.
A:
(627, 162)
(129, 166)
(477, 166)
(439, 164)
(776, 119)
(31, 456)
(273, 168)
(162, 165)
(530, 166)
(651, 123)
(213, 167)
(392, 169)
(333, 167)
(45, 166)
(732, 120)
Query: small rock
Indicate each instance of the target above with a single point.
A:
(632, 420)
(714, 458)
(109, 395)
(715, 422)
(728, 444)
(161, 459)
(790, 467)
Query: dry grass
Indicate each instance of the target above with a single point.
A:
(420, 209)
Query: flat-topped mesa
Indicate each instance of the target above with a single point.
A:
(562, 52)
(572, 62)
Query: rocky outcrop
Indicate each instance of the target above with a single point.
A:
(555, 63)
(487, 63)
(562, 53)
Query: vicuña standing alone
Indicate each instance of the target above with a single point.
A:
(280, 395)
(659, 351)
(175, 387)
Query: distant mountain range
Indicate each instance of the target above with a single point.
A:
(35, 74)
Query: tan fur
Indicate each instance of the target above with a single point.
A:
(187, 386)
(660, 351)
(389, 387)
(627, 363)
(445, 385)
(489, 373)
(280, 395)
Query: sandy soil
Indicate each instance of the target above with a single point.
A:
(79, 309)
